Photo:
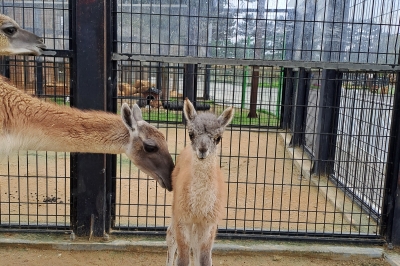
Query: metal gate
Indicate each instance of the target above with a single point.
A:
(310, 153)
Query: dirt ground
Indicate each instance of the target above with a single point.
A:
(46, 257)
(265, 189)
(266, 192)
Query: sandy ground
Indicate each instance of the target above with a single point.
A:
(266, 191)
(44, 257)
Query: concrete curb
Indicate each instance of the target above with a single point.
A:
(303, 249)
(392, 258)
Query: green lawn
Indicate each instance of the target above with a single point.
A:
(265, 118)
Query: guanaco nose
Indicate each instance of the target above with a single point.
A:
(203, 150)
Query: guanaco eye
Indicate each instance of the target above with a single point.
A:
(10, 30)
(150, 147)
(217, 140)
(191, 135)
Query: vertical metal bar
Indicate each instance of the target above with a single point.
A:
(112, 105)
(328, 115)
(188, 88)
(88, 170)
(165, 83)
(39, 76)
(300, 108)
(206, 94)
(390, 226)
(287, 97)
(7, 73)
(196, 69)
(159, 76)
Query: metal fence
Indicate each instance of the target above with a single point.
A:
(312, 152)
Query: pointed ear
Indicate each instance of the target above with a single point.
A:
(137, 113)
(128, 118)
(188, 110)
(226, 117)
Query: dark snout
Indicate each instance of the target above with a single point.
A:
(164, 173)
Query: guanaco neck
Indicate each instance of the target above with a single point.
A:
(31, 124)
(203, 170)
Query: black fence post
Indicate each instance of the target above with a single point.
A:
(196, 71)
(328, 115)
(112, 106)
(300, 107)
(188, 84)
(39, 76)
(287, 98)
(88, 171)
(390, 226)
(7, 73)
(207, 74)
(159, 76)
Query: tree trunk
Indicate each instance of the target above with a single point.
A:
(254, 91)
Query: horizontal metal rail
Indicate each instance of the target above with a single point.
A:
(256, 62)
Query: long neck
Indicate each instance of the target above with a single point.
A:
(32, 124)
(203, 170)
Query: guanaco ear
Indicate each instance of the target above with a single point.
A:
(188, 110)
(128, 117)
(226, 117)
(136, 112)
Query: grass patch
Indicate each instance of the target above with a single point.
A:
(162, 115)
(58, 100)
(264, 117)
(274, 84)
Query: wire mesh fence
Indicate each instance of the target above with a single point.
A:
(312, 82)
(35, 185)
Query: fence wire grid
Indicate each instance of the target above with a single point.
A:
(313, 84)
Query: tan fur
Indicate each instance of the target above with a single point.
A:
(126, 89)
(143, 84)
(175, 94)
(27, 123)
(38, 125)
(199, 194)
(155, 103)
(198, 206)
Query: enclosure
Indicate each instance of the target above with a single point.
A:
(312, 152)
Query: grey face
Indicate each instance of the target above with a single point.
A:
(205, 129)
(205, 133)
(15, 40)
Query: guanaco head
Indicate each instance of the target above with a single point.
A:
(205, 129)
(14, 40)
(147, 147)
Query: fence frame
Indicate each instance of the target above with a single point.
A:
(326, 131)
(391, 205)
(92, 45)
(88, 171)
(89, 220)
